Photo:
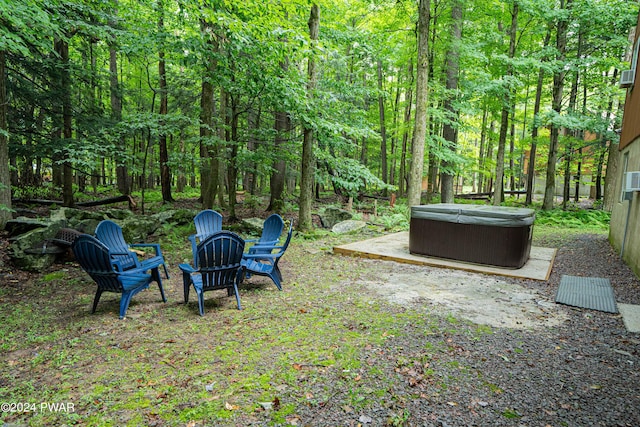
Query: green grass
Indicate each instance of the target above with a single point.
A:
(323, 339)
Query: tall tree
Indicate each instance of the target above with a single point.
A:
(5, 179)
(498, 194)
(308, 159)
(558, 86)
(450, 127)
(165, 172)
(531, 170)
(383, 128)
(414, 190)
(122, 173)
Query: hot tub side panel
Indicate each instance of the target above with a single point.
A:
(482, 244)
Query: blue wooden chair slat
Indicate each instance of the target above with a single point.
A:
(95, 259)
(265, 261)
(219, 267)
(110, 233)
(271, 231)
(207, 222)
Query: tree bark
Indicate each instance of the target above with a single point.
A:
(450, 129)
(422, 97)
(558, 85)
(498, 194)
(308, 159)
(165, 172)
(62, 48)
(383, 128)
(403, 181)
(122, 174)
(5, 187)
(534, 130)
(208, 161)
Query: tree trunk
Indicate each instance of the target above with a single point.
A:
(383, 128)
(394, 137)
(165, 173)
(122, 174)
(278, 175)
(450, 130)
(5, 188)
(222, 136)
(403, 181)
(498, 194)
(534, 130)
(208, 160)
(232, 167)
(308, 160)
(558, 85)
(481, 149)
(613, 163)
(282, 127)
(62, 48)
(422, 97)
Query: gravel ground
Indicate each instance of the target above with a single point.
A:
(585, 372)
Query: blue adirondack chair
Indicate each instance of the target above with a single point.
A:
(219, 267)
(207, 222)
(264, 261)
(271, 231)
(110, 233)
(94, 258)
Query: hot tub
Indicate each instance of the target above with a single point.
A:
(480, 234)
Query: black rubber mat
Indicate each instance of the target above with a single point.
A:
(587, 292)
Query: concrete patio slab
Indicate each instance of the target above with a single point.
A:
(630, 316)
(395, 247)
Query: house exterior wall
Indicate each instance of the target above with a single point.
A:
(630, 120)
(624, 230)
(625, 216)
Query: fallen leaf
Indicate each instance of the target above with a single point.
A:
(231, 407)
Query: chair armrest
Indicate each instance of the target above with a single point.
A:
(186, 268)
(155, 246)
(127, 253)
(260, 256)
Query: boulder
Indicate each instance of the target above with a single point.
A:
(22, 225)
(175, 216)
(348, 226)
(137, 229)
(33, 251)
(331, 216)
(253, 225)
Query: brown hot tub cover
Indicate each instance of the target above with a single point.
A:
(482, 234)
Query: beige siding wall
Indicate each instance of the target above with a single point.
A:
(625, 216)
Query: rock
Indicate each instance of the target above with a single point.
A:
(253, 225)
(348, 226)
(331, 216)
(22, 225)
(20, 246)
(175, 216)
(137, 228)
